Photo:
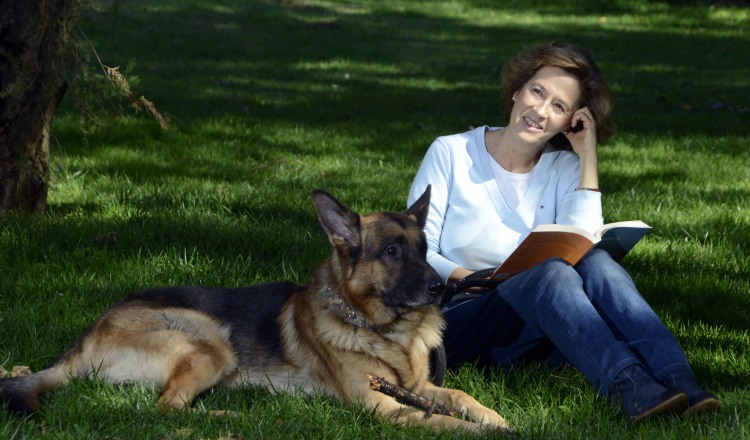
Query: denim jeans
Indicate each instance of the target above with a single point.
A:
(590, 315)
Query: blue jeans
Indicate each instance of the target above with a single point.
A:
(590, 315)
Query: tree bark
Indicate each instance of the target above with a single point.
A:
(32, 45)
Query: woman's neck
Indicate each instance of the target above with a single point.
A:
(514, 157)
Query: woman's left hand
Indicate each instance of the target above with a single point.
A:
(583, 141)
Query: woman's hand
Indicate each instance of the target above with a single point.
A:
(584, 145)
(583, 141)
(458, 274)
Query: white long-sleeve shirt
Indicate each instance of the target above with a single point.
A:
(469, 224)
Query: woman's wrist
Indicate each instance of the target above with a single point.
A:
(589, 177)
(458, 274)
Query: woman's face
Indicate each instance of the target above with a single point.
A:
(544, 105)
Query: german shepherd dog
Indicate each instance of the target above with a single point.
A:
(368, 309)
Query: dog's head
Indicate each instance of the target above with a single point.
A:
(379, 259)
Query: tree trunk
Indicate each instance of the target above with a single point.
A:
(32, 39)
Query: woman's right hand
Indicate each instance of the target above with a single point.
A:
(458, 274)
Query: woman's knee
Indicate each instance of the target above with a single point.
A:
(598, 267)
(597, 254)
(556, 274)
(548, 279)
(556, 268)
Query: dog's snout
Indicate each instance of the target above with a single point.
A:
(436, 287)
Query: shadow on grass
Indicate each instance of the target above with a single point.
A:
(268, 62)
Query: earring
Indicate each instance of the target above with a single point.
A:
(514, 98)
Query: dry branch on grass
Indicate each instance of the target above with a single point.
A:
(122, 87)
(407, 397)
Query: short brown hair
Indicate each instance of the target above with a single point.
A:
(573, 59)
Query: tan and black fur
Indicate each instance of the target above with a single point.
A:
(368, 309)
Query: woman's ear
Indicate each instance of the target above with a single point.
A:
(517, 92)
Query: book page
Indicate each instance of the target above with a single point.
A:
(619, 238)
(626, 224)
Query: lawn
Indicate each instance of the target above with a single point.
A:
(269, 99)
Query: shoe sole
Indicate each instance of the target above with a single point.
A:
(676, 404)
(702, 408)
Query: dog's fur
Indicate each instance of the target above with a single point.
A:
(368, 309)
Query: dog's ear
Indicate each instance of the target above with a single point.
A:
(421, 207)
(339, 222)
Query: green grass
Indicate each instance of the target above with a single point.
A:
(270, 99)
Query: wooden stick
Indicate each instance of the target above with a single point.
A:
(407, 397)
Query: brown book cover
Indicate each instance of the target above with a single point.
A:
(570, 243)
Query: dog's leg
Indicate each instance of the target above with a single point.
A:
(392, 411)
(465, 405)
(193, 373)
(183, 352)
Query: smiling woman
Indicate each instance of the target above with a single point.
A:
(594, 92)
(543, 107)
(492, 186)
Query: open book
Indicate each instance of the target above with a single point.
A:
(571, 244)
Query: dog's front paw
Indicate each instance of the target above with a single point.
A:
(487, 418)
(498, 426)
(469, 408)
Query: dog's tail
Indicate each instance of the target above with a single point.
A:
(22, 393)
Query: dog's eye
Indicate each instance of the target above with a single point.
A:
(391, 251)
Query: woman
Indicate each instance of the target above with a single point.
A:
(492, 186)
